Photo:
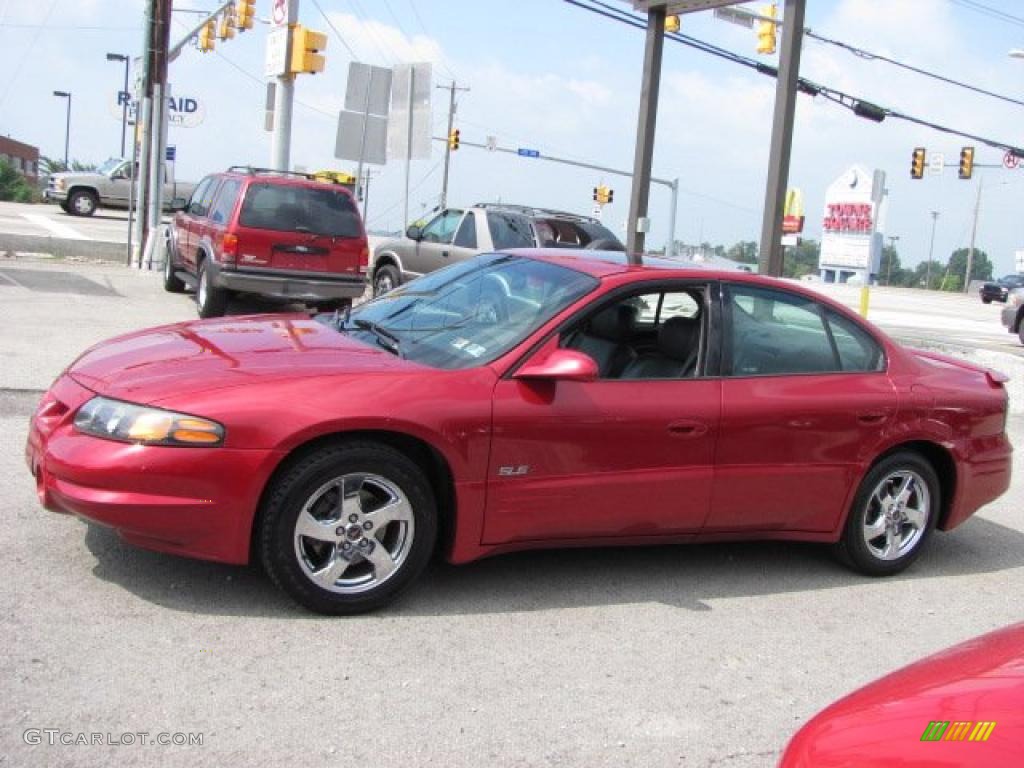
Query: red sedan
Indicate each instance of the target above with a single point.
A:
(960, 708)
(514, 401)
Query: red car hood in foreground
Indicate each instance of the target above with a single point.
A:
(191, 357)
(946, 698)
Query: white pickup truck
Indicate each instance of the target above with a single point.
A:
(81, 193)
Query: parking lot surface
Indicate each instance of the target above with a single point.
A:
(669, 656)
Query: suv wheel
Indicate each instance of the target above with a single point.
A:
(172, 283)
(385, 278)
(348, 528)
(82, 202)
(211, 301)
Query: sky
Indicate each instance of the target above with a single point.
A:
(547, 75)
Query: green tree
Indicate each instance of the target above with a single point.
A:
(745, 252)
(802, 260)
(890, 271)
(981, 267)
(50, 165)
(916, 278)
(13, 186)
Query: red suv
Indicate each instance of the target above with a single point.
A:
(251, 230)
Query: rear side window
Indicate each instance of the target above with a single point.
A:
(287, 208)
(466, 236)
(226, 199)
(857, 350)
(566, 233)
(509, 230)
(199, 203)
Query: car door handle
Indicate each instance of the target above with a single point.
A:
(445, 254)
(687, 428)
(872, 417)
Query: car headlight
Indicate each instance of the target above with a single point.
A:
(59, 184)
(117, 420)
(1013, 299)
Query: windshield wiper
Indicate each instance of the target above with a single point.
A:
(385, 338)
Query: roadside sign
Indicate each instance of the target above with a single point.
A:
(1011, 161)
(170, 153)
(596, 211)
(735, 16)
(276, 62)
(936, 162)
(492, 143)
(279, 13)
(528, 152)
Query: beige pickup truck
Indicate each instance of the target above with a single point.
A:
(81, 193)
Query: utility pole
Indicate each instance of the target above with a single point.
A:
(158, 127)
(931, 250)
(974, 232)
(893, 239)
(144, 117)
(284, 97)
(448, 146)
(770, 261)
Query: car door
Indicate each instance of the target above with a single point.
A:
(805, 397)
(185, 224)
(607, 458)
(433, 249)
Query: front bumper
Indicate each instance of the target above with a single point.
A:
(55, 195)
(290, 286)
(196, 502)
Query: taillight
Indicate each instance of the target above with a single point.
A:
(364, 260)
(229, 248)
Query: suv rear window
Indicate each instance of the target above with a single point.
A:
(290, 208)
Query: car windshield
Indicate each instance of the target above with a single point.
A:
(290, 208)
(470, 313)
(109, 165)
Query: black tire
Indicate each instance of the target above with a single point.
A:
(64, 206)
(172, 283)
(385, 278)
(292, 560)
(986, 301)
(211, 301)
(1020, 331)
(82, 202)
(868, 512)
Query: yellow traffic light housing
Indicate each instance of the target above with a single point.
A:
(766, 30)
(672, 24)
(206, 37)
(225, 27)
(597, 194)
(917, 163)
(245, 11)
(966, 162)
(603, 195)
(306, 47)
(453, 139)
(609, 194)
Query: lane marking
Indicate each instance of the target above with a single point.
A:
(11, 280)
(54, 227)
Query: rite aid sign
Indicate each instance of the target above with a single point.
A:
(182, 111)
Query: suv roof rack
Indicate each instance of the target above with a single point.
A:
(251, 171)
(529, 210)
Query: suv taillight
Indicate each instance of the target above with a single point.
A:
(364, 260)
(229, 249)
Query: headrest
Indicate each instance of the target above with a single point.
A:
(615, 323)
(678, 337)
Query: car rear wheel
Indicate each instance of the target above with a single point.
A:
(348, 528)
(986, 300)
(893, 514)
(172, 283)
(211, 301)
(385, 278)
(82, 202)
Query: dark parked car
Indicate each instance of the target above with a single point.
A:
(456, 234)
(999, 290)
(250, 230)
(514, 401)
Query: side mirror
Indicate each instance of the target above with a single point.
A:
(179, 204)
(414, 232)
(560, 365)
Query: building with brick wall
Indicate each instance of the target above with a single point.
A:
(22, 157)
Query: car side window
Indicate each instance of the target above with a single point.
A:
(466, 236)
(441, 229)
(509, 230)
(857, 350)
(226, 199)
(196, 205)
(774, 333)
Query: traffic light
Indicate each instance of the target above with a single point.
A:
(603, 195)
(917, 164)
(966, 162)
(206, 36)
(245, 10)
(306, 47)
(609, 194)
(225, 27)
(453, 139)
(766, 30)
(597, 194)
(672, 24)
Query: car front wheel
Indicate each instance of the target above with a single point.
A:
(893, 514)
(82, 203)
(348, 528)
(172, 283)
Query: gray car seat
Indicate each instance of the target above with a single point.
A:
(605, 338)
(676, 358)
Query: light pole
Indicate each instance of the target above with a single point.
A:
(124, 107)
(67, 128)
(931, 249)
(893, 239)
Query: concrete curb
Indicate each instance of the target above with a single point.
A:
(62, 248)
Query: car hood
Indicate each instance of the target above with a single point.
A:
(77, 176)
(157, 363)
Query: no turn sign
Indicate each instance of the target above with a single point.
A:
(1011, 161)
(279, 13)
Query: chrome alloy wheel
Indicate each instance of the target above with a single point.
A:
(354, 533)
(203, 289)
(897, 515)
(384, 283)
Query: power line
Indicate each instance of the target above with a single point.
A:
(26, 57)
(861, 53)
(419, 20)
(987, 10)
(335, 31)
(860, 107)
(380, 45)
(378, 216)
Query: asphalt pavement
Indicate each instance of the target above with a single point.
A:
(706, 655)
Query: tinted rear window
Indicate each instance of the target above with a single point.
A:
(509, 230)
(300, 209)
